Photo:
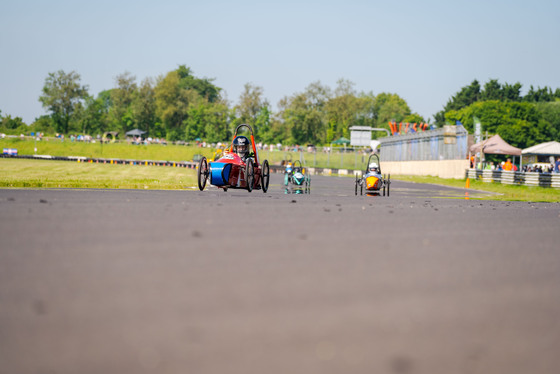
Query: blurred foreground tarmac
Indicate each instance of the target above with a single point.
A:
(423, 281)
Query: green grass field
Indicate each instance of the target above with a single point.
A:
(66, 174)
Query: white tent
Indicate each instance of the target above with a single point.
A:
(543, 149)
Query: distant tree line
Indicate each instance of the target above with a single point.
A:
(522, 121)
(181, 106)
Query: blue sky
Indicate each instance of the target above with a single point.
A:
(424, 51)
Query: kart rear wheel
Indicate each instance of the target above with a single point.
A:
(250, 174)
(384, 184)
(356, 186)
(265, 176)
(388, 183)
(202, 173)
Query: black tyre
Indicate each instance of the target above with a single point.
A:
(265, 176)
(250, 174)
(388, 183)
(384, 184)
(202, 173)
(356, 186)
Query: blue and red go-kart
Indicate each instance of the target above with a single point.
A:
(372, 181)
(233, 171)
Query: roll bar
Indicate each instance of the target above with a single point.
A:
(252, 140)
(369, 162)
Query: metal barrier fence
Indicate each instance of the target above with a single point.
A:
(515, 177)
(446, 143)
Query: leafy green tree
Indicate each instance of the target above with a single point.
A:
(539, 95)
(341, 114)
(144, 106)
(263, 123)
(44, 124)
(217, 122)
(318, 95)
(94, 117)
(304, 116)
(550, 114)
(492, 91)
(209, 121)
(194, 122)
(366, 114)
(13, 126)
(390, 107)
(304, 121)
(62, 96)
(203, 86)
(252, 105)
(172, 104)
(179, 95)
(520, 133)
(511, 92)
(121, 111)
(520, 124)
(465, 97)
(342, 110)
(315, 100)
(276, 132)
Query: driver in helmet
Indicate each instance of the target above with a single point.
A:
(241, 147)
(288, 173)
(373, 168)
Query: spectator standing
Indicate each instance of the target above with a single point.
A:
(557, 165)
(508, 166)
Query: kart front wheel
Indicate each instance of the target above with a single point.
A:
(265, 176)
(202, 173)
(250, 174)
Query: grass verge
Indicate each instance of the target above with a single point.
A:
(501, 191)
(64, 174)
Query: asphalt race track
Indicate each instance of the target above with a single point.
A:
(133, 281)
